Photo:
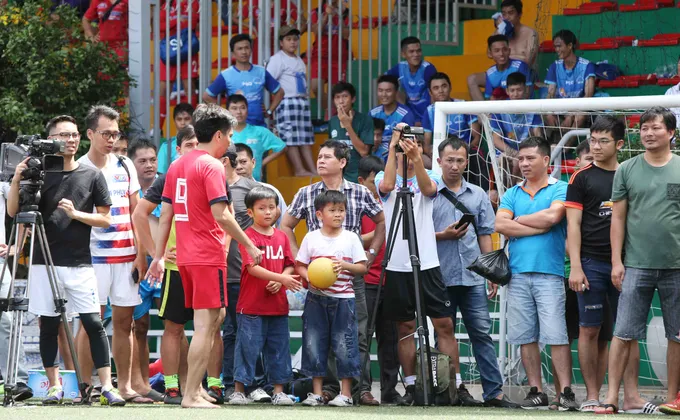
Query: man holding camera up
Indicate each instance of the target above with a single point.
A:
(67, 202)
(400, 303)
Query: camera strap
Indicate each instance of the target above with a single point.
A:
(121, 160)
(108, 11)
(457, 204)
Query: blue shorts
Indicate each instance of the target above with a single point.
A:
(268, 335)
(148, 294)
(330, 324)
(593, 302)
(536, 305)
(635, 301)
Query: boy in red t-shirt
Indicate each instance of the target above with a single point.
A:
(262, 304)
(195, 194)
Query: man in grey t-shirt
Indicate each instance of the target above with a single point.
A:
(646, 211)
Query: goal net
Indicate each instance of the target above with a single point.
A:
(495, 171)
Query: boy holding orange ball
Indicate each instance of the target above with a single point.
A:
(262, 306)
(329, 318)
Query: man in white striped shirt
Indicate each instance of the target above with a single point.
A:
(114, 256)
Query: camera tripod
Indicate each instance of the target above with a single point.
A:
(403, 213)
(18, 305)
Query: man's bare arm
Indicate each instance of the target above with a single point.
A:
(544, 219)
(508, 227)
(287, 226)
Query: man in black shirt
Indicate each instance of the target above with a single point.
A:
(589, 210)
(66, 204)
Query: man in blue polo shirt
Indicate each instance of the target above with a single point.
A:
(247, 79)
(414, 74)
(569, 77)
(531, 216)
(390, 111)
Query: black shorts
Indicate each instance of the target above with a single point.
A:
(400, 302)
(172, 300)
(571, 313)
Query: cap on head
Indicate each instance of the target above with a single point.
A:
(284, 31)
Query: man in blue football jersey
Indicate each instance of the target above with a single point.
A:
(463, 126)
(390, 110)
(496, 75)
(247, 79)
(413, 74)
(569, 77)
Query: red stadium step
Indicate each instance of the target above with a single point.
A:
(660, 40)
(591, 8)
(608, 43)
(669, 81)
(618, 83)
(641, 5)
(547, 46)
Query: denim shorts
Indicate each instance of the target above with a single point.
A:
(268, 335)
(593, 302)
(635, 301)
(330, 324)
(536, 305)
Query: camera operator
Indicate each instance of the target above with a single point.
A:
(400, 302)
(66, 204)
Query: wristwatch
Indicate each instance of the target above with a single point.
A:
(371, 251)
(269, 112)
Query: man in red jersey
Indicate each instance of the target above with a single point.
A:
(195, 194)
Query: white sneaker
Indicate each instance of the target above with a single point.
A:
(260, 396)
(341, 401)
(282, 399)
(238, 398)
(313, 400)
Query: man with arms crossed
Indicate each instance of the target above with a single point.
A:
(195, 193)
(646, 227)
(531, 216)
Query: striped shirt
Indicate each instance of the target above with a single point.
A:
(115, 244)
(346, 247)
(360, 201)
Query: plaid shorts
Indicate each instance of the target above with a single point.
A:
(294, 122)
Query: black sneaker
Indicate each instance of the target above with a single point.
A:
(465, 399)
(217, 393)
(568, 400)
(535, 400)
(409, 396)
(172, 396)
(393, 398)
(502, 403)
(22, 392)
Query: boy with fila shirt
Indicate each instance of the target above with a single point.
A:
(329, 318)
(247, 79)
(391, 111)
(414, 74)
(589, 212)
(293, 116)
(496, 76)
(262, 304)
(114, 256)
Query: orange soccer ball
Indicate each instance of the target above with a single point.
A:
(320, 273)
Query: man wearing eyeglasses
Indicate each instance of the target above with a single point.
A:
(116, 261)
(72, 202)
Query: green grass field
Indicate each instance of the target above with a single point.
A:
(257, 412)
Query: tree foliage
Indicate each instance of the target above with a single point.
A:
(48, 68)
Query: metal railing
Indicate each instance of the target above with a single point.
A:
(357, 42)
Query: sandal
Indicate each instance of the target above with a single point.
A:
(589, 406)
(648, 408)
(605, 409)
(555, 405)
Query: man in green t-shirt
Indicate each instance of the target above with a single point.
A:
(646, 228)
(350, 127)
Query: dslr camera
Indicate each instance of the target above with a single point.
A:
(410, 132)
(41, 153)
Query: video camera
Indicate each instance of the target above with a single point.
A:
(410, 132)
(42, 154)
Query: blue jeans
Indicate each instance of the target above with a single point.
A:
(593, 302)
(472, 302)
(330, 324)
(536, 306)
(268, 335)
(229, 341)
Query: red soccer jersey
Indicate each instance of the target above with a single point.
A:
(184, 16)
(373, 275)
(326, 39)
(194, 183)
(115, 28)
(254, 299)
